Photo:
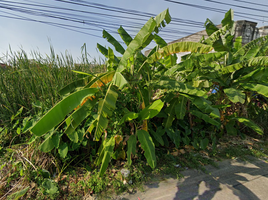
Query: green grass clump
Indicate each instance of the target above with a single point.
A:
(33, 83)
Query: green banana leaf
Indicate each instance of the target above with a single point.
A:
(177, 48)
(158, 135)
(261, 61)
(57, 114)
(257, 42)
(170, 110)
(131, 148)
(119, 80)
(118, 47)
(250, 124)
(174, 85)
(148, 146)
(205, 117)
(235, 95)
(151, 110)
(128, 117)
(103, 50)
(75, 84)
(261, 89)
(180, 108)
(105, 109)
(124, 35)
(210, 27)
(77, 117)
(200, 59)
(107, 152)
(142, 36)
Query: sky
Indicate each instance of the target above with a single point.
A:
(35, 25)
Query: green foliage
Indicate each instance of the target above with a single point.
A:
(141, 103)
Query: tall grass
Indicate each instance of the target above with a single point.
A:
(26, 82)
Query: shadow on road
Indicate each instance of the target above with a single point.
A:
(233, 179)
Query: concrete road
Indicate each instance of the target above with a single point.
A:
(234, 179)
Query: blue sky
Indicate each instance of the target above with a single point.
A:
(30, 35)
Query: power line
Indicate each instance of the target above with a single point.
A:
(241, 14)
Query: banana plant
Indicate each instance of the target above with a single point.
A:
(232, 72)
(100, 91)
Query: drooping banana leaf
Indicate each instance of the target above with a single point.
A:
(180, 108)
(174, 85)
(148, 146)
(170, 110)
(200, 60)
(261, 61)
(131, 148)
(56, 114)
(250, 124)
(177, 48)
(259, 88)
(257, 42)
(106, 154)
(128, 117)
(205, 117)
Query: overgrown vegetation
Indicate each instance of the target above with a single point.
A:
(64, 124)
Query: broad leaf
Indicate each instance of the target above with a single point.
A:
(174, 85)
(119, 80)
(206, 118)
(118, 47)
(180, 108)
(250, 124)
(261, 89)
(175, 137)
(158, 135)
(170, 110)
(124, 35)
(204, 143)
(131, 148)
(235, 95)
(177, 48)
(228, 18)
(75, 84)
(103, 50)
(77, 117)
(141, 37)
(151, 110)
(48, 144)
(148, 146)
(105, 109)
(63, 150)
(197, 60)
(210, 27)
(108, 151)
(17, 195)
(128, 117)
(56, 114)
